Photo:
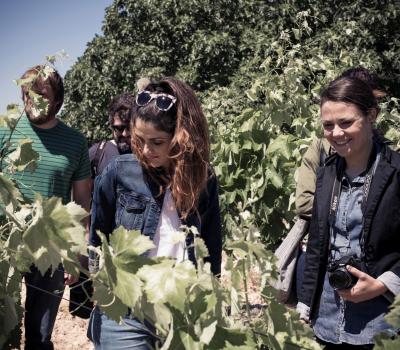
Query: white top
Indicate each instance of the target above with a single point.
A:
(169, 240)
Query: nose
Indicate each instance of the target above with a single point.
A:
(126, 132)
(146, 149)
(337, 131)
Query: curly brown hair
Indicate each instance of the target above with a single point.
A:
(189, 150)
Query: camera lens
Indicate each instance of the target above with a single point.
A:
(340, 279)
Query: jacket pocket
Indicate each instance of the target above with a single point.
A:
(131, 211)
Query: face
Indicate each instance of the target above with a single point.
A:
(155, 143)
(348, 131)
(42, 110)
(121, 135)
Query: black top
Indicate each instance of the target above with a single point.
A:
(381, 225)
(108, 153)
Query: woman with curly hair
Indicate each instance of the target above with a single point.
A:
(166, 184)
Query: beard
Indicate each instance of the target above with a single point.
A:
(38, 120)
(124, 146)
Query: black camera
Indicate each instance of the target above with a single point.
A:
(338, 275)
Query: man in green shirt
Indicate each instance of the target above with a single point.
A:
(63, 170)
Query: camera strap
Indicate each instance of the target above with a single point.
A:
(337, 188)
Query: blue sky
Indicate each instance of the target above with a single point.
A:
(32, 29)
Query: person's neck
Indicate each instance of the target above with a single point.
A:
(356, 165)
(51, 123)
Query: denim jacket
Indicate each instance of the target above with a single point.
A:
(125, 196)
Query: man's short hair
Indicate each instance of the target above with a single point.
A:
(121, 106)
(52, 81)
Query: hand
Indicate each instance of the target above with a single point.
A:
(69, 279)
(365, 289)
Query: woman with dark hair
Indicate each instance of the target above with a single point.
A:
(168, 183)
(352, 270)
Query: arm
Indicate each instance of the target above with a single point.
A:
(81, 193)
(104, 205)
(211, 226)
(103, 212)
(313, 269)
(81, 196)
(307, 177)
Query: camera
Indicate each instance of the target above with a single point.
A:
(338, 276)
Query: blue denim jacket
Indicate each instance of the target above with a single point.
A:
(125, 196)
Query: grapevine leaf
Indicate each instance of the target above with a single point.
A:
(208, 332)
(232, 339)
(166, 283)
(127, 287)
(9, 193)
(393, 317)
(122, 260)
(111, 305)
(11, 118)
(126, 243)
(53, 232)
(24, 156)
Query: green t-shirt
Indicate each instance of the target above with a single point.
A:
(63, 159)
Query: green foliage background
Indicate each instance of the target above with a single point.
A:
(258, 67)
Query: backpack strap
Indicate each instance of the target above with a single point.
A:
(96, 159)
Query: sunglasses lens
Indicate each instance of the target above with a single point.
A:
(120, 128)
(164, 103)
(143, 98)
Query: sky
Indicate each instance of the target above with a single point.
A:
(33, 29)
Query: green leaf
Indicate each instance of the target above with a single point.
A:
(126, 243)
(55, 229)
(168, 282)
(208, 333)
(112, 306)
(9, 193)
(24, 156)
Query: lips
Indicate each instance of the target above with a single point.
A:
(341, 143)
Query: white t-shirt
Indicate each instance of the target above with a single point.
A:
(169, 240)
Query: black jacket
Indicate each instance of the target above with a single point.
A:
(381, 225)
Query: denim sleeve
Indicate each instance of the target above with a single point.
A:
(211, 227)
(103, 205)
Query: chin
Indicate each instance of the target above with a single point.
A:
(41, 119)
(124, 148)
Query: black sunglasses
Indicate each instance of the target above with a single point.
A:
(163, 101)
(120, 128)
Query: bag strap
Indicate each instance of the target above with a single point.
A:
(96, 159)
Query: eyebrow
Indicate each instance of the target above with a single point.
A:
(152, 138)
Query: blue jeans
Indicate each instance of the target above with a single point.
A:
(41, 308)
(107, 334)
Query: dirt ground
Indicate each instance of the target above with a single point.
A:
(69, 332)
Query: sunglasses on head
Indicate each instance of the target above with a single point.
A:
(163, 101)
(120, 128)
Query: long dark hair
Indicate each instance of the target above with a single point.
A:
(189, 149)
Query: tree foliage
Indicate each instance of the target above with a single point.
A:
(258, 66)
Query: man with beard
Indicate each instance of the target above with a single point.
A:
(63, 169)
(103, 152)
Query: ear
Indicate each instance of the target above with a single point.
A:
(372, 114)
